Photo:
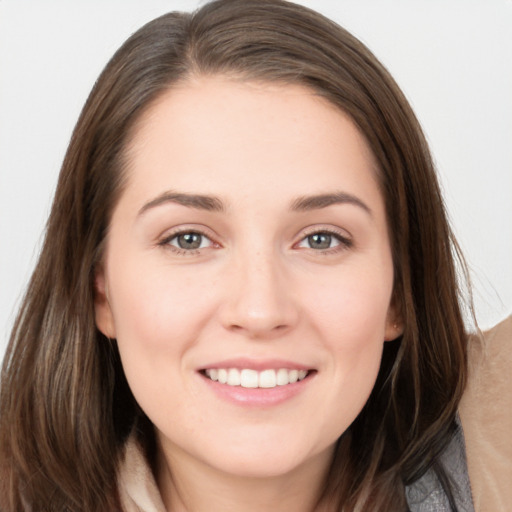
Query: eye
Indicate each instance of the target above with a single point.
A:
(319, 241)
(324, 240)
(187, 241)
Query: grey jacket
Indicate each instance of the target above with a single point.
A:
(427, 495)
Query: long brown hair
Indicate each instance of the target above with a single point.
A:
(65, 407)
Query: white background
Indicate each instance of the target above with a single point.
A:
(452, 58)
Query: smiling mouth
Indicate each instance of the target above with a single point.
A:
(249, 378)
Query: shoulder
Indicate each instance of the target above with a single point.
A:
(486, 415)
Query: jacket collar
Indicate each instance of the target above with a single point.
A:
(138, 491)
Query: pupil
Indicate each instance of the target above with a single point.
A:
(189, 241)
(319, 241)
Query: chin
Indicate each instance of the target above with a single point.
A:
(269, 460)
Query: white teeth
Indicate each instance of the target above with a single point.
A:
(267, 379)
(282, 377)
(248, 378)
(293, 376)
(233, 377)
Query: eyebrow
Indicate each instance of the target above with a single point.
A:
(214, 204)
(316, 202)
(197, 201)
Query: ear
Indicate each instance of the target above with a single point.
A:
(394, 323)
(102, 310)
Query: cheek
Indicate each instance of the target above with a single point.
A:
(156, 305)
(352, 307)
(350, 316)
(156, 320)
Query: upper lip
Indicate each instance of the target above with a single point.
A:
(257, 364)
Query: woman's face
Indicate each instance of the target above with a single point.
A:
(248, 275)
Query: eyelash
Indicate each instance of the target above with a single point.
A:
(344, 241)
(166, 242)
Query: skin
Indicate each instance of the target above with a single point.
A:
(259, 287)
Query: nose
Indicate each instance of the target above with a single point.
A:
(259, 301)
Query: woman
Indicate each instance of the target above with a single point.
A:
(247, 285)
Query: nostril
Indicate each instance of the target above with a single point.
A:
(259, 330)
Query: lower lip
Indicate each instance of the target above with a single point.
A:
(257, 397)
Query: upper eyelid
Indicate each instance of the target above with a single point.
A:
(311, 230)
(171, 233)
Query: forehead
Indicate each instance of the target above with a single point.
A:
(210, 132)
